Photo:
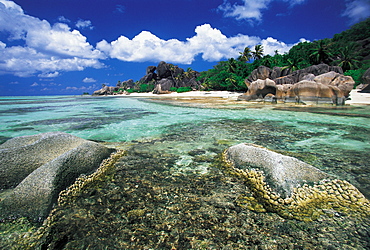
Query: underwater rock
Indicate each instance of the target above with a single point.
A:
(40, 166)
(290, 187)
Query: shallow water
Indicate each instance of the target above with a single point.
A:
(166, 174)
(336, 139)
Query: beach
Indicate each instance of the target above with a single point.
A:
(226, 99)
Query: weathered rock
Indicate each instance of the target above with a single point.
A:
(259, 89)
(148, 77)
(150, 69)
(163, 70)
(262, 72)
(106, 90)
(163, 86)
(366, 81)
(282, 173)
(38, 167)
(290, 187)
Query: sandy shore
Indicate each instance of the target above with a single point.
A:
(358, 98)
(226, 98)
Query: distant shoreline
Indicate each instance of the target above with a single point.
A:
(228, 98)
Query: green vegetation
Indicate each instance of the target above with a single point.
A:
(349, 50)
(183, 89)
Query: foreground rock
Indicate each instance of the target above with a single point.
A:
(317, 84)
(290, 187)
(36, 168)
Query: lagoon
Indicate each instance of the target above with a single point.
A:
(171, 148)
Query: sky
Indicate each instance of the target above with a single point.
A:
(67, 47)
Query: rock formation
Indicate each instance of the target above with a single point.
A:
(290, 187)
(366, 82)
(34, 169)
(317, 84)
(164, 76)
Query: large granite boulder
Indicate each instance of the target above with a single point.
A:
(259, 89)
(366, 81)
(34, 169)
(290, 187)
(163, 86)
(106, 90)
(262, 72)
(163, 70)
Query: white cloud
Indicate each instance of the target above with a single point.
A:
(49, 75)
(250, 10)
(208, 42)
(357, 10)
(35, 84)
(84, 24)
(63, 19)
(47, 49)
(87, 79)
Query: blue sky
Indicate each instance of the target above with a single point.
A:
(70, 47)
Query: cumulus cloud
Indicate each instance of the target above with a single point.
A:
(84, 24)
(250, 10)
(47, 48)
(357, 10)
(208, 42)
(87, 79)
(35, 84)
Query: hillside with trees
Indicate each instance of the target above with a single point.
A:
(349, 50)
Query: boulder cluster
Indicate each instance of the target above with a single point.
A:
(162, 77)
(317, 84)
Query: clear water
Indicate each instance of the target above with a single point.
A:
(333, 139)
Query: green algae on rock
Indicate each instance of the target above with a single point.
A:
(290, 187)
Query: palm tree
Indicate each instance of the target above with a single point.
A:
(348, 58)
(320, 53)
(293, 64)
(258, 52)
(231, 63)
(246, 55)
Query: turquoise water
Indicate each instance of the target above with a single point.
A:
(165, 194)
(333, 139)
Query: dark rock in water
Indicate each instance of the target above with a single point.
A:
(40, 166)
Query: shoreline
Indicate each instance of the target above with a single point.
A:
(227, 99)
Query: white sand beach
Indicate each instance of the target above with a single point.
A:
(356, 98)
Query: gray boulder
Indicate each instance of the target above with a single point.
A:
(163, 86)
(163, 70)
(36, 168)
(366, 81)
(282, 173)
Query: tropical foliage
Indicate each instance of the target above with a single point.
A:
(349, 50)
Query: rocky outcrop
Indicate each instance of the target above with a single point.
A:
(164, 76)
(290, 187)
(366, 82)
(106, 90)
(313, 85)
(34, 169)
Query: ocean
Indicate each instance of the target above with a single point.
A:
(185, 139)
